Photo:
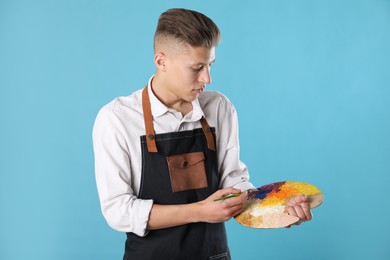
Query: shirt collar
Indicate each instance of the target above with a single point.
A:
(158, 108)
(197, 112)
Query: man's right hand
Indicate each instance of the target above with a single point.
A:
(213, 211)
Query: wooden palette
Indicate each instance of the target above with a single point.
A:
(265, 206)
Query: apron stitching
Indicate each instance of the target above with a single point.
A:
(142, 170)
(173, 138)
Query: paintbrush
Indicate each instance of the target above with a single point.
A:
(228, 196)
(232, 195)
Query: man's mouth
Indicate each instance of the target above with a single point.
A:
(198, 90)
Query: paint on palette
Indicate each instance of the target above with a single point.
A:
(265, 206)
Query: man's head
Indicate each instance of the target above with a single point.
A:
(178, 28)
(184, 50)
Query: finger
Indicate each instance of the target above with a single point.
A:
(237, 200)
(230, 212)
(306, 210)
(299, 211)
(291, 211)
(232, 203)
(234, 210)
(233, 199)
(297, 199)
(235, 213)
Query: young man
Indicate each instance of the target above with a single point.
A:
(164, 153)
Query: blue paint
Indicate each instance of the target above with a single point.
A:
(262, 194)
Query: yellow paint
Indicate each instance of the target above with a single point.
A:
(287, 190)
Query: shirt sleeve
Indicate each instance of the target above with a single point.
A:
(122, 210)
(233, 171)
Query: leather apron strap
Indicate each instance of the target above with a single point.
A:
(150, 133)
(148, 119)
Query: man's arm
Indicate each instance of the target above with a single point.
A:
(208, 210)
(121, 208)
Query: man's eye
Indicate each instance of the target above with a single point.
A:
(198, 69)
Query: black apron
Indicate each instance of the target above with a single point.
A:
(178, 168)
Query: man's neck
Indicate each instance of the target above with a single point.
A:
(168, 98)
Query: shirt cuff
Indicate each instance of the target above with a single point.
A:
(140, 228)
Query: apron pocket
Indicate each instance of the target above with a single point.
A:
(187, 171)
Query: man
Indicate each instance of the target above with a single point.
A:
(165, 153)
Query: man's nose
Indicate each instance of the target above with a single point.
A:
(205, 76)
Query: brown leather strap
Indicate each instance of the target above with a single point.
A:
(148, 119)
(209, 135)
(150, 134)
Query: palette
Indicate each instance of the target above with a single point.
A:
(265, 206)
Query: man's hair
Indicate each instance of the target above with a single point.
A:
(187, 27)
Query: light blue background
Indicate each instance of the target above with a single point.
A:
(310, 80)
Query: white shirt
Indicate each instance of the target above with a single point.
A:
(117, 148)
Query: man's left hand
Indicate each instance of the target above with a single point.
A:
(298, 206)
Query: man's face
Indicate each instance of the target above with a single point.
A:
(189, 71)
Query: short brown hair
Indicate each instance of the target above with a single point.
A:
(188, 27)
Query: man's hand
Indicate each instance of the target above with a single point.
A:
(298, 206)
(222, 210)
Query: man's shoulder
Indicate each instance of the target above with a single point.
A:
(120, 103)
(122, 109)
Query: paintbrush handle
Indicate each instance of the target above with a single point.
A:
(228, 196)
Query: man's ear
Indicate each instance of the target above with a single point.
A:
(160, 60)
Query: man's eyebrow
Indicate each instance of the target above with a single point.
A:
(201, 63)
